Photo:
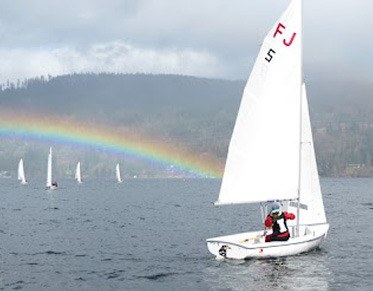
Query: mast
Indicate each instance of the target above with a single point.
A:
(300, 117)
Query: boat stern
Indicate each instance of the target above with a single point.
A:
(225, 250)
(234, 246)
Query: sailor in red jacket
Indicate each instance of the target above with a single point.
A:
(277, 221)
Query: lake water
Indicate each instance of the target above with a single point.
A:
(150, 235)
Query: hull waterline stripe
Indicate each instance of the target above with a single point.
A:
(266, 247)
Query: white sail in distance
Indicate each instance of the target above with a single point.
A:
(263, 156)
(78, 176)
(21, 172)
(49, 169)
(117, 174)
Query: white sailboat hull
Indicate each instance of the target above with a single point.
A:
(51, 187)
(237, 248)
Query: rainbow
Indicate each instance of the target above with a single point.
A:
(118, 141)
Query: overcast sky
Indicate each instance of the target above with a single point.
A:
(211, 38)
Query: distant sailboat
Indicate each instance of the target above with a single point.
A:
(117, 174)
(271, 155)
(21, 173)
(78, 176)
(50, 185)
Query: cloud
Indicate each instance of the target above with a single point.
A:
(220, 35)
(118, 57)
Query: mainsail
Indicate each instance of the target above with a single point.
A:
(263, 156)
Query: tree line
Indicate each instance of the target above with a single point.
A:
(198, 113)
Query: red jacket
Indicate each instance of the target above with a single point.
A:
(269, 221)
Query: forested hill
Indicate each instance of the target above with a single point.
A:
(200, 112)
(82, 94)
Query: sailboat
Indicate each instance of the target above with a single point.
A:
(52, 185)
(21, 173)
(271, 155)
(78, 176)
(117, 174)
